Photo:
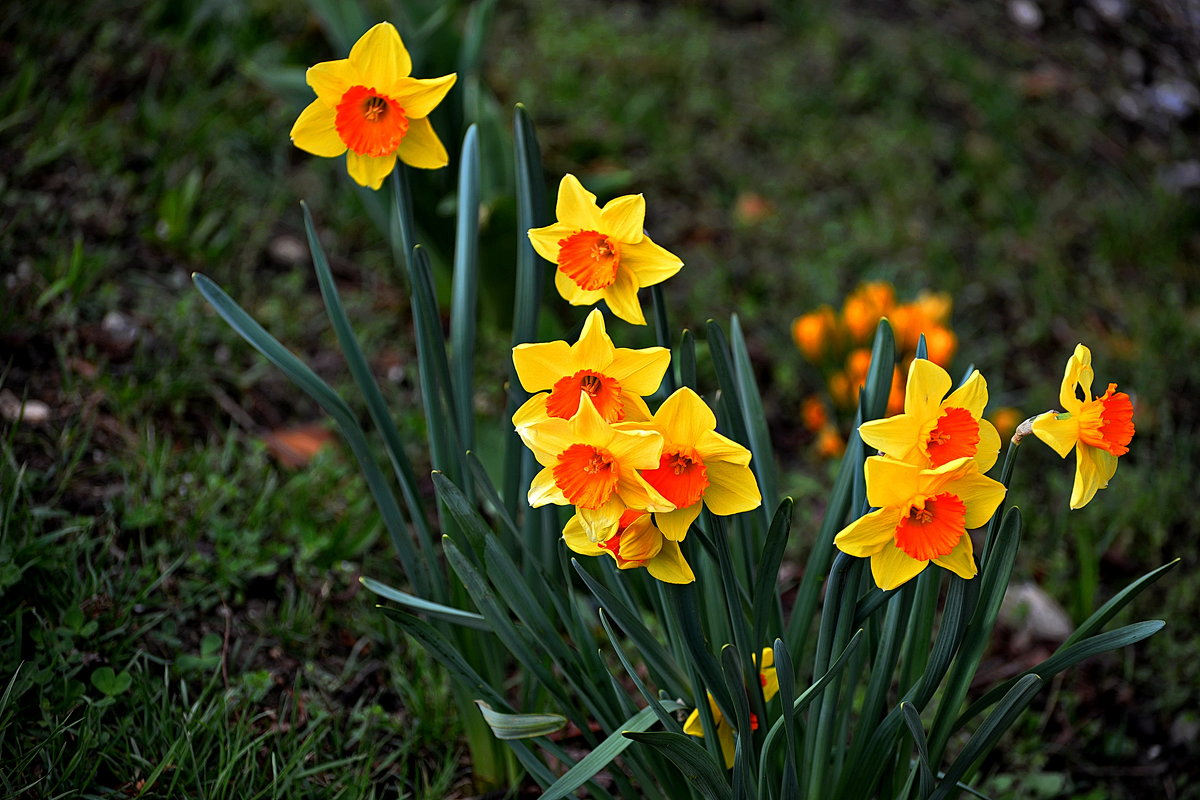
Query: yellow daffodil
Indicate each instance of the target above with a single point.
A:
(1098, 429)
(593, 466)
(616, 378)
(770, 684)
(602, 253)
(922, 515)
(697, 465)
(637, 543)
(932, 431)
(368, 105)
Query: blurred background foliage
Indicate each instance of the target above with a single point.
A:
(179, 543)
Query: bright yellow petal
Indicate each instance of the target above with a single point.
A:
(669, 566)
(868, 534)
(927, 385)
(890, 483)
(684, 416)
(622, 298)
(594, 349)
(980, 494)
(379, 57)
(712, 446)
(576, 206)
(960, 560)
(898, 437)
(728, 747)
(1094, 468)
(331, 79)
(972, 395)
(539, 366)
(639, 371)
(1077, 374)
(649, 262)
(635, 408)
(637, 493)
(989, 446)
(419, 96)
(545, 240)
(732, 489)
(577, 540)
(599, 524)
(570, 291)
(1059, 431)
(641, 541)
(692, 726)
(543, 490)
(532, 412)
(421, 147)
(548, 439)
(623, 219)
(590, 428)
(675, 524)
(369, 171)
(314, 131)
(892, 567)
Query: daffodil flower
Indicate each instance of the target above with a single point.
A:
(602, 254)
(698, 466)
(921, 515)
(637, 543)
(932, 431)
(770, 684)
(593, 466)
(616, 378)
(368, 105)
(1098, 429)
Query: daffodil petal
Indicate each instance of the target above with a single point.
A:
(421, 147)
(622, 298)
(980, 494)
(868, 534)
(601, 523)
(548, 439)
(892, 567)
(577, 539)
(315, 131)
(545, 240)
(635, 409)
(683, 417)
(639, 449)
(692, 725)
(896, 436)
(712, 446)
(675, 524)
(960, 560)
(890, 482)
(927, 385)
(731, 489)
(989, 446)
(1078, 374)
(544, 491)
(539, 366)
(637, 493)
(972, 395)
(419, 96)
(623, 218)
(669, 566)
(331, 79)
(379, 56)
(1059, 431)
(594, 349)
(1094, 468)
(639, 371)
(570, 291)
(728, 747)
(532, 412)
(369, 171)
(651, 263)
(576, 206)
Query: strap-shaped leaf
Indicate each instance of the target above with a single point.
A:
(765, 609)
(702, 774)
(607, 750)
(465, 291)
(428, 608)
(667, 721)
(755, 416)
(790, 786)
(662, 334)
(520, 726)
(924, 774)
(1118, 601)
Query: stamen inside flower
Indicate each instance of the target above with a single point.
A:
(586, 475)
(370, 123)
(955, 435)
(605, 392)
(932, 527)
(590, 259)
(1107, 422)
(681, 476)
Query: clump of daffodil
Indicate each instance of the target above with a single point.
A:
(593, 466)
(602, 253)
(636, 543)
(932, 431)
(698, 466)
(921, 515)
(368, 107)
(616, 378)
(1098, 429)
(770, 687)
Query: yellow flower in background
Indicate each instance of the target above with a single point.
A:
(637, 543)
(616, 378)
(593, 466)
(922, 515)
(932, 431)
(698, 466)
(1098, 429)
(770, 686)
(368, 107)
(602, 253)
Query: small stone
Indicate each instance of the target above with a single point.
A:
(34, 412)
(120, 329)
(1175, 97)
(1025, 13)
(1111, 10)
(1034, 615)
(287, 250)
